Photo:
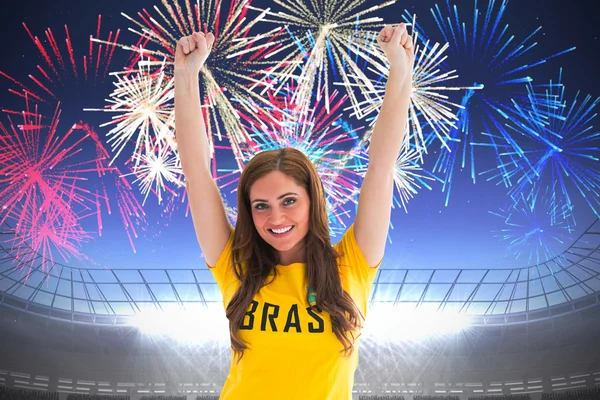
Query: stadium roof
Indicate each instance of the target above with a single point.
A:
(564, 284)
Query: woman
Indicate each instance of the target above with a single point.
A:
(295, 303)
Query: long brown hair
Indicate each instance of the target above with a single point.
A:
(260, 258)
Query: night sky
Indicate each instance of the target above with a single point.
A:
(463, 234)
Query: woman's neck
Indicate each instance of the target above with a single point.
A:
(293, 255)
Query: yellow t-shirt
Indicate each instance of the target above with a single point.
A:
(293, 352)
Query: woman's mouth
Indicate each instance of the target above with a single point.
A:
(281, 232)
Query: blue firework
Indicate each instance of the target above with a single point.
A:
(551, 141)
(459, 146)
(537, 228)
(484, 50)
(486, 56)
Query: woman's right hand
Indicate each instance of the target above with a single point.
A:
(192, 51)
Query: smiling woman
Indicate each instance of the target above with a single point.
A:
(278, 271)
(281, 219)
(279, 257)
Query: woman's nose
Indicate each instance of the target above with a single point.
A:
(277, 216)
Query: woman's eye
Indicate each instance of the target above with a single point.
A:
(285, 202)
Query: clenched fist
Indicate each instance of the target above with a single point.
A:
(192, 51)
(397, 45)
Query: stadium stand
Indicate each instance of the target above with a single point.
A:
(436, 398)
(7, 393)
(583, 394)
(163, 398)
(381, 397)
(503, 397)
(75, 396)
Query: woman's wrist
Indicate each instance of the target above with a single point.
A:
(400, 80)
(184, 79)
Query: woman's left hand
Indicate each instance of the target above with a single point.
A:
(397, 45)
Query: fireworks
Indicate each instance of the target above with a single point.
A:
(484, 51)
(537, 227)
(322, 33)
(491, 64)
(263, 89)
(325, 143)
(159, 164)
(146, 112)
(557, 143)
(428, 102)
(41, 186)
(60, 73)
(236, 64)
(407, 176)
(69, 82)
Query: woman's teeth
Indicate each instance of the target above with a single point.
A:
(280, 231)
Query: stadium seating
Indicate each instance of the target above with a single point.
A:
(584, 394)
(163, 398)
(436, 398)
(381, 397)
(7, 393)
(75, 396)
(502, 397)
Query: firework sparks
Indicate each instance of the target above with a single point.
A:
(46, 232)
(408, 173)
(320, 32)
(557, 143)
(41, 185)
(61, 71)
(235, 67)
(130, 210)
(428, 101)
(538, 227)
(143, 102)
(484, 51)
(459, 145)
(157, 166)
(322, 138)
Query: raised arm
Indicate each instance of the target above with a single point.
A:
(375, 201)
(208, 212)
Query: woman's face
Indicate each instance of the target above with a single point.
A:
(278, 202)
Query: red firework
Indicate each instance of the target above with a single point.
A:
(42, 177)
(63, 71)
(60, 69)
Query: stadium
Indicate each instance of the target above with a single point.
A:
(530, 332)
(490, 283)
